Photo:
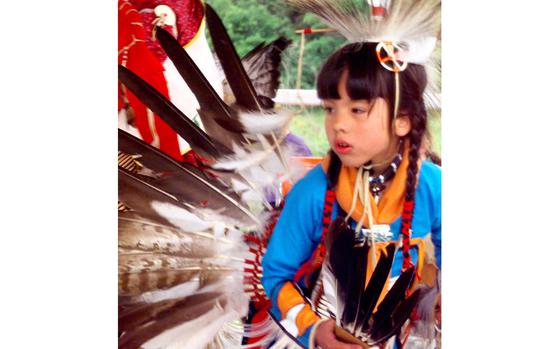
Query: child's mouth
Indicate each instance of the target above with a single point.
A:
(342, 147)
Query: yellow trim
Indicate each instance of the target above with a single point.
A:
(188, 44)
(305, 319)
(391, 203)
(419, 243)
(186, 151)
(152, 126)
(288, 297)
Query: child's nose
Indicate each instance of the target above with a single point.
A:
(340, 122)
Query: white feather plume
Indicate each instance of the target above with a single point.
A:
(180, 217)
(181, 336)
(198, 220)
(265, 122)
(208, 325)
(264, 168)
(412, 23)
(243, 159)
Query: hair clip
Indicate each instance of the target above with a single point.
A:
(387, 55)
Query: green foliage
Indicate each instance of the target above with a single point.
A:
(434, 126)
(250, 22)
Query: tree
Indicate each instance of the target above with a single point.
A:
(250, 22)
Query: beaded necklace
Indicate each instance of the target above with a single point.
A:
(377, 183)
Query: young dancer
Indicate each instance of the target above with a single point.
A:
(373, 176)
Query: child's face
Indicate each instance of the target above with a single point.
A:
(355, 135)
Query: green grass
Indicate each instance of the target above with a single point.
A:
(434, 125)
(309, 124)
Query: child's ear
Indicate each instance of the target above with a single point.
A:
(402, 125)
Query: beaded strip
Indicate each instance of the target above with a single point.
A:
(406, 231)
(318, 255)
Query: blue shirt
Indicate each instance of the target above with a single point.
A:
(299, 227)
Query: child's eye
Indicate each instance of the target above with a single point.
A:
(358, 110)
(327, 109)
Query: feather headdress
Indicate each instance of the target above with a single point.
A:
(411, 24)
(406, 32)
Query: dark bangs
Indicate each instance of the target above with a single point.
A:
(367, 79)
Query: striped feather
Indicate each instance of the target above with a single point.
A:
(212, 107)
(187, 129)
(185, 183)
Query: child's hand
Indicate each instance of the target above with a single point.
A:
(326, 339)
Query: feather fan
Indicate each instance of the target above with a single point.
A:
(343, 277)
(179, 273)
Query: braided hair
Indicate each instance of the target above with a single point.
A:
(367, 79)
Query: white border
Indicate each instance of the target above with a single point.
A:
(500, 125)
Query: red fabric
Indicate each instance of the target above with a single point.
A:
(142, 62)
(377, 10)
(194, 159)
(189, 14)
(260, 315)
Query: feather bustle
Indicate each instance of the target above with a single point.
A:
(184, 181)
(241, 86)
(262, 65)
(211, 105)
(180, 123)
(173, 314)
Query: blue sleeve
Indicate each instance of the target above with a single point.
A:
(296, 234)
(433, 181)
(436, 230)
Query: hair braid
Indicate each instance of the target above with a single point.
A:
(418, 118)
(334, 169)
